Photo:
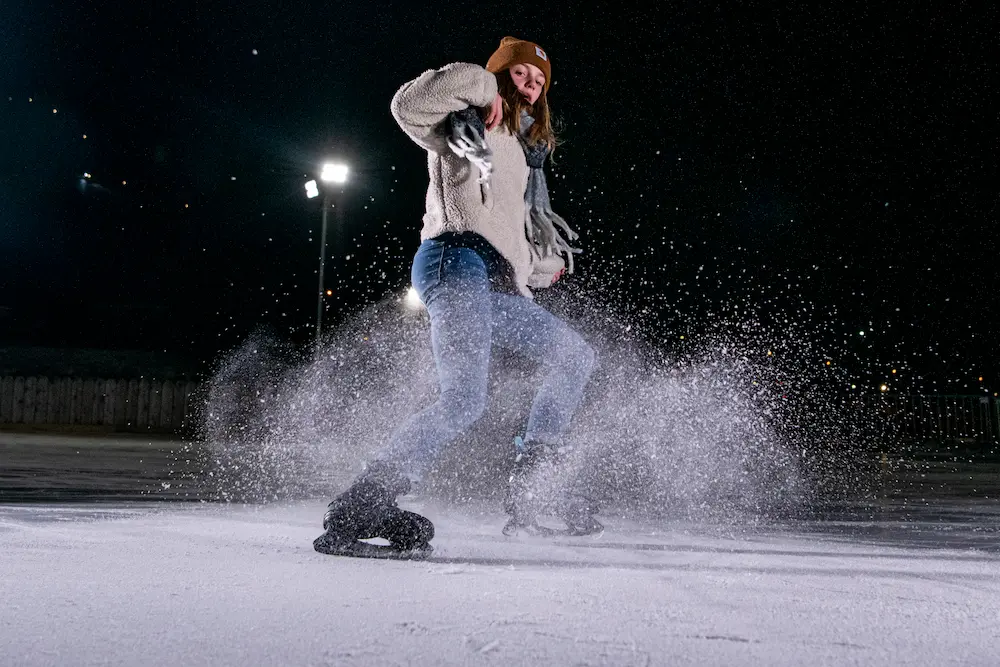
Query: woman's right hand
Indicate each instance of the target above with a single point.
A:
(494, 114)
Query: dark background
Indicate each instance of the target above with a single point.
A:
(829, 165)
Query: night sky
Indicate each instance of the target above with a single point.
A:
(836, 163)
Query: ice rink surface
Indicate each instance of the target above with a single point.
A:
(119, 583)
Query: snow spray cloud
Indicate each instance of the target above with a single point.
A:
(736, 424)
(728, 428)
(280, 423)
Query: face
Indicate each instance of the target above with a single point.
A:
(530, 80)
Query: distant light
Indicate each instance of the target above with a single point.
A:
(828, 363)
(884, 387)
(312, 190)
(329, 292)
(854, 386)
(770, 354)
(85, 136)
(682, 337)
(413, 299)
(334, 173)
(55, 111)
(123, 182)
(893, 371)
(254, 51)
(186, 206)
(86, 174)
(980, 378)
(861, 333)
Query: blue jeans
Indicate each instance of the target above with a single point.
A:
(467, 317)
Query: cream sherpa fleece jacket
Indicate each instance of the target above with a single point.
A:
(456, 202)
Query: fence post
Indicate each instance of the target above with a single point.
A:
(180, 405)
(6, 400)
(166, 405)
(75, 400)
(29, 400)
(132, 413)
(87, 407)
(155, 402)
(44, 401)
(97, 404)
(108, 404)
(58, 402)
(121, 403)
(189, 398)
(142, 412)
(18, 413)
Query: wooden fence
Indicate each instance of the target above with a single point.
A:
(165, 406)
(967, 422)
(143, 405)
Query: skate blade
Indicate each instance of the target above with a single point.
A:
(359, 549)
(512, 529)
(594, 534)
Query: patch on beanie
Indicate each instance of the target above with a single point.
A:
(541, 54)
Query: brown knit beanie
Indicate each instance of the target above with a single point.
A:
(513, 51)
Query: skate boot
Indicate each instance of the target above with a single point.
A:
(536, 486)
(368, 510)
(578, 512)
(524, 502)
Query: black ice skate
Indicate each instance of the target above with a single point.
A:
(368, 510)
(578, 513)
(536, 487)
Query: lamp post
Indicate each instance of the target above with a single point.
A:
(332, 173)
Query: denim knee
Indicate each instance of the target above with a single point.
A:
(464, 412)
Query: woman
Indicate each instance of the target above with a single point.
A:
(488, 235)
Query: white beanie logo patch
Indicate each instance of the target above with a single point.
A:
(541, 54)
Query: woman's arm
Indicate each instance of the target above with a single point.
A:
(422, 104)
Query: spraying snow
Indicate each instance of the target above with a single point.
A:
(717, 433)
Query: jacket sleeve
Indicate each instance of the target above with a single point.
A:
(544, 270)
(422, 104)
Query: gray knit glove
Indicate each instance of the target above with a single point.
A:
(467, 139)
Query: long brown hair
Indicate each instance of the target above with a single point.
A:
(514, 103)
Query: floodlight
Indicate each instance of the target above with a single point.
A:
(334, 173)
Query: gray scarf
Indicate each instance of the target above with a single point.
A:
(542, 225)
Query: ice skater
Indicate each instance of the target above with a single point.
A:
(489, 235)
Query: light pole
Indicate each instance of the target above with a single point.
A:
(332, 173)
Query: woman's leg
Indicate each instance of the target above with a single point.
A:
(567, 361)
(454, 286)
